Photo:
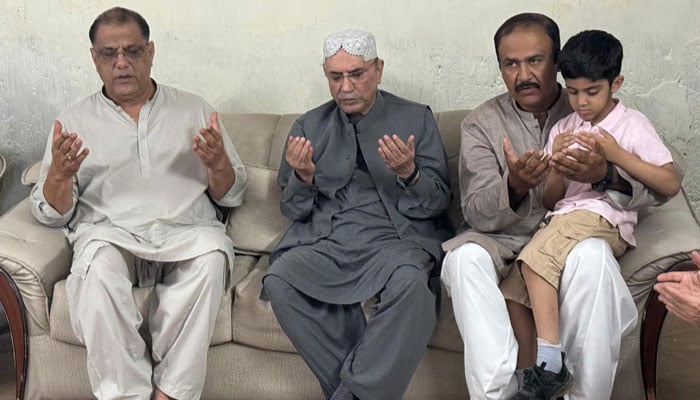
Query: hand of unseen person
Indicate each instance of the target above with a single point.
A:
(680, 292)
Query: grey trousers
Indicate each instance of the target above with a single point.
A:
(183, 310)
(375, 358)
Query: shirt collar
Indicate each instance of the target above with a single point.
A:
(371, 115)
(560, 107)
(114, 105)
(608, 123)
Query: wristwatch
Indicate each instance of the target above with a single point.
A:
(605, 183)
(409, 180)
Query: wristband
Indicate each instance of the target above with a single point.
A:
(605, 183)
(411, 177)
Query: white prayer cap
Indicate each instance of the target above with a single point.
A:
(353, 41)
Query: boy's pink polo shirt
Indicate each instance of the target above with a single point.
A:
(635, 133)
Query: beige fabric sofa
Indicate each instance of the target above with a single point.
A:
(250, 357)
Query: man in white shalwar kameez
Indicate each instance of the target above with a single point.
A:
(130, 173)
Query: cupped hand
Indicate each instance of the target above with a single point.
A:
(398, 155)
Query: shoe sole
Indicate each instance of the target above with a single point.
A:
(562, 390)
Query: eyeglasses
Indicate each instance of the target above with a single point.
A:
(109, 55)
(354, 76)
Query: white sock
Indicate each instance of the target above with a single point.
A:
(550, 354)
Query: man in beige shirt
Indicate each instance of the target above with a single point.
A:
(130, 173)
(502, 167)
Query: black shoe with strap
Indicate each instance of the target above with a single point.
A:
(540, 384)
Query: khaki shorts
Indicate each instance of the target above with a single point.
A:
(546, 253)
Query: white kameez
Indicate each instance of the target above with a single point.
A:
(142, 189)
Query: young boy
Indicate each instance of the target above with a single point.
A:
(590, 63)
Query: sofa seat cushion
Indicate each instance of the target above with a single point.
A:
(254, 323)
(61, 330)
(446, 334)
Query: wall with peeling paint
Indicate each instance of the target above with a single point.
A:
(265, 56)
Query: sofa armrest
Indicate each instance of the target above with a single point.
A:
(665, 235)
(35, 257)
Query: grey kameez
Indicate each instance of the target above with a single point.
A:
(366, 224)
(355, 234)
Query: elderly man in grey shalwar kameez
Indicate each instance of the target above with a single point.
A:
(364, 178)
(136, 211)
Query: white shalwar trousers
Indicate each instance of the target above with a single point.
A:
(183, 310)
(595, 306)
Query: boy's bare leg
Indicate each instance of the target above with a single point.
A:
(524, 328)
(544, 299)
(545, 305)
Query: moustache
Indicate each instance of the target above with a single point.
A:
(526, 85)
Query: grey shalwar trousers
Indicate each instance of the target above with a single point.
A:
(375, 358)
(183, 309)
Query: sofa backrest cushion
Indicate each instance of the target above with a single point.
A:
(259, 138)
(449, 124)
(257, 225)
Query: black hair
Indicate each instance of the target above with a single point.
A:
(119, 16)
(526, 20)
(591, 54)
